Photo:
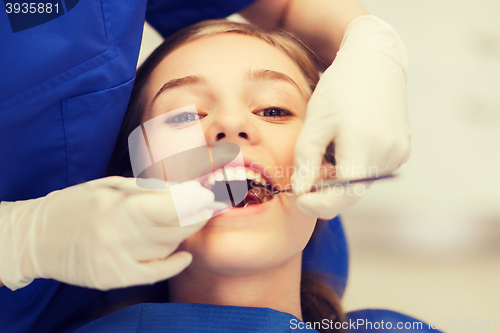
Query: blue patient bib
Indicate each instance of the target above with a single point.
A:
(183, 317)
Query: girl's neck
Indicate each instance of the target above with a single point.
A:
(277, 288)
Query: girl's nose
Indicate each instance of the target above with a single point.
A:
(233, 125)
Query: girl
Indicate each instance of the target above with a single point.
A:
(250, 87)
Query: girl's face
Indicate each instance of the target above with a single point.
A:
(249, 93)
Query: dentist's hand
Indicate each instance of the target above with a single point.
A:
(94, 236)
(359, 103)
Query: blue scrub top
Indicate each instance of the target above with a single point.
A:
(64, 88)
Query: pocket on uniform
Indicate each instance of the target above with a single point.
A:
(91, 125)
(52, 53)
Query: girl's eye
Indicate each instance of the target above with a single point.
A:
(183, 118)
(274, 113)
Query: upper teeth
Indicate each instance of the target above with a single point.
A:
(238, 173)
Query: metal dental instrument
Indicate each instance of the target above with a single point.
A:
(269, 194)
(261, 194)
(333, 182)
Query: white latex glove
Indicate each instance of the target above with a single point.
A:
(94, 236)
(360, 103)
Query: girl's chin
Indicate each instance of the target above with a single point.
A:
(229, 258)
(233, 270)
(239, 264)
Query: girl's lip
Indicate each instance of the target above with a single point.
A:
(256, 166)
(245, 212)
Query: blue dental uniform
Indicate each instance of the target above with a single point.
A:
(64, 88)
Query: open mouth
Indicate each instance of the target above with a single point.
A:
(258, 189)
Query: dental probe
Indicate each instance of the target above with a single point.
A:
(333, 182)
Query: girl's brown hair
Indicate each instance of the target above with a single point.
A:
(318, 300)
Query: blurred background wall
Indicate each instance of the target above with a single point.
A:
(428, 243)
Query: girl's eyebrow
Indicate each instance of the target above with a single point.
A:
(256, 75)
(267, 74)
(176, 83)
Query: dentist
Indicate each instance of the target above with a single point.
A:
(64, 89)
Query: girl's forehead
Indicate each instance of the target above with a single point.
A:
(223, 56)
